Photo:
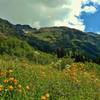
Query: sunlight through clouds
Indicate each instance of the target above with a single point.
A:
(41, 13)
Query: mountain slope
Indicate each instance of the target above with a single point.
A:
(6, 28)
(74, 42)
(49, 39)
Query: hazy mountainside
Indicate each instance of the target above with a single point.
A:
(48, 39)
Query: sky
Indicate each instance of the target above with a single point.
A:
(83, 15)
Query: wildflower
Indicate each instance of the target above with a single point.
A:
(82, 68)
(67, 66)
(5, 81)
(15, 81)
(11, 79)
(43, 73)
(77, 81)
(60, 61)
(27, 87)
(36, 52)
(92, 76)
(19, 86)
(43, 98)
(47, 95)
(20, 90)
(1, 88)
(10, 88)
(52, 63)
(1, 73)
(10, 70)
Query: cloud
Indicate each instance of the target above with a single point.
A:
(45, 12)
(73, 21)
(95, 1)
(41, 13)
(89, 9)
(98, 32)
(77, 24)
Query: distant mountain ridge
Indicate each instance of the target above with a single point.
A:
(48, 39)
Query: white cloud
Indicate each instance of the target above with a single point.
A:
(61, 13)
(98, 32)
(37, 24)
(60, 23)
(95, 1)
(41, 13)
(72, 20)
(77, 24)
(89, 9)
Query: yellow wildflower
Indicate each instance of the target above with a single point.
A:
(15, 81)
(11, 79)
(5, 81)
(20, 90)
(43, 98)
(19, 86)
(27, 87)
(47, 95)
(10, 88)
(1, 88)
(1, 73)
(10, 70)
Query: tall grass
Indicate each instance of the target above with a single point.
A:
(77, 81)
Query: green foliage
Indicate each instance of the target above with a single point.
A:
(6, 27)
(13, 46)
(74, 41)
(62, 63)
(44, 79)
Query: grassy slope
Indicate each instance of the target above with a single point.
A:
(78, 82)
(13, 46)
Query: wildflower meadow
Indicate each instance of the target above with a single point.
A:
(24, 80)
